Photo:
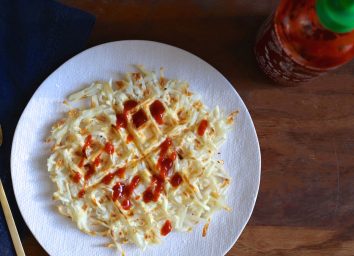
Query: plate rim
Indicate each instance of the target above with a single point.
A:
(259, 160)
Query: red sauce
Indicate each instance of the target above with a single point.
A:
(202, 127)
(118, 190)
(109, 148)
(176, 180)
(157, 110)
(152, 193)
(139, 118)
(303, 36)
(130, 138)
(90, 170)
(165, 165)
(129, 105)
(81, 164)
(165, 162)
(160, 185)
(133, 184)
(148, 195)
(108, 178)
(88, 142)
(166, 228)
(81, 193)
(122, 121)
(293, 46)
(120, 172)
(97, 160)
(173, 156)
(126, 204)
(165, 146)
(76, 177)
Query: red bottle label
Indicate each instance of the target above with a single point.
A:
(275, 62)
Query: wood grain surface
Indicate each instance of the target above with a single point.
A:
(306, 199)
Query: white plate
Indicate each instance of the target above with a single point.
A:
(33, 188)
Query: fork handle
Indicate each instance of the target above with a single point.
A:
(11, 223)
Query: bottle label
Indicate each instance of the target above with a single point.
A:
(275, 62)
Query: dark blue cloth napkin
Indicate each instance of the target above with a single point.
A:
(36, 36)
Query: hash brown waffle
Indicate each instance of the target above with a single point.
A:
(138, 161)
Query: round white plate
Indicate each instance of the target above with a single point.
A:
(33, 188)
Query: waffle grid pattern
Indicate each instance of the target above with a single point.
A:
(137, 150)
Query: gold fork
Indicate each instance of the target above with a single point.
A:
(9, 218)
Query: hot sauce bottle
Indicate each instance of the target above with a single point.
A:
(303, 39)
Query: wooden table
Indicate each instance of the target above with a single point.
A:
(306, 200)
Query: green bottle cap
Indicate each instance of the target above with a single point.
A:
(336, 15)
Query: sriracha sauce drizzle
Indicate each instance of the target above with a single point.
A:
(124, 192)
(176, 180)
(202, 127)
(148, 195)
(88, 142)
(157, 110)
(166, 228)
(139, 118)
(120, 172)
(126, 204)
(133, 184)
(121, 191)
(81, 193)
(81, 163)
(121, 121)
(109, 148)
(118, 189)
(90, 170)
(152, 193)
(165, 162)
(76, 177)
(129, 105)
(97, 161)
(108, 178)
(130, 138)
